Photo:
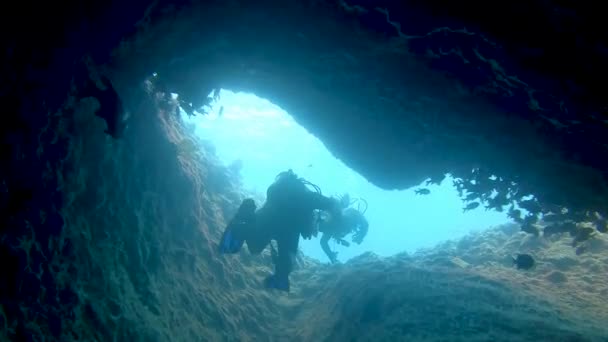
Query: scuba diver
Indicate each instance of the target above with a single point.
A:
(351, 221)
(287, 213)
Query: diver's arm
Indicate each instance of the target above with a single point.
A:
(325, 246)
(364, 224)
(328, 204)
(361, 232)
(321, 202)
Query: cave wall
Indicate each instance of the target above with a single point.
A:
(399, 91)
(379, 102)
(374, 104)
(149, 214)
(142, 215)
(135, 255)
(47, 240)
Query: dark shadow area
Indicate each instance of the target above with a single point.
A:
(110, 211)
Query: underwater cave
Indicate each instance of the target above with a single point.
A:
(257, 140)
(115, 195)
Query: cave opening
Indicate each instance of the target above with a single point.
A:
(259, 139)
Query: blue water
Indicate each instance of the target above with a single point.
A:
(267, 140)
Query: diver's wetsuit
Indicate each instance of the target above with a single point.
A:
(286, 214)
(351, 220)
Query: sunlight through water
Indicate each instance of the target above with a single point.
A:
(268, 140)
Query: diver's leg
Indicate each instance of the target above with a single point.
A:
(257, 239)
(325, 246)
(285, 260)
(256, 243)
(239, 228)
(288, 247)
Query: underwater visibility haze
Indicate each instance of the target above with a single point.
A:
(304, 170)
(262, 140)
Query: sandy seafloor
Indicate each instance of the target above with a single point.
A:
(145, 214)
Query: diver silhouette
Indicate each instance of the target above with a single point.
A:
(287, 214)
(350, 221)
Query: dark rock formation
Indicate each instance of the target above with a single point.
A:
(401, 93)
(92, 233)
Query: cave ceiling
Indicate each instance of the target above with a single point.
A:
(401, 91)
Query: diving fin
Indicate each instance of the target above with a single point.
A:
(230, 244)
(232, 239)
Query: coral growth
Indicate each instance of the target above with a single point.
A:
(145, 215)
(142, 218)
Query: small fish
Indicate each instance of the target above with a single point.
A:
(422, 191)
(221, 112)
(470, 206)
(471, 196)
(523, 261)
(309, 165)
